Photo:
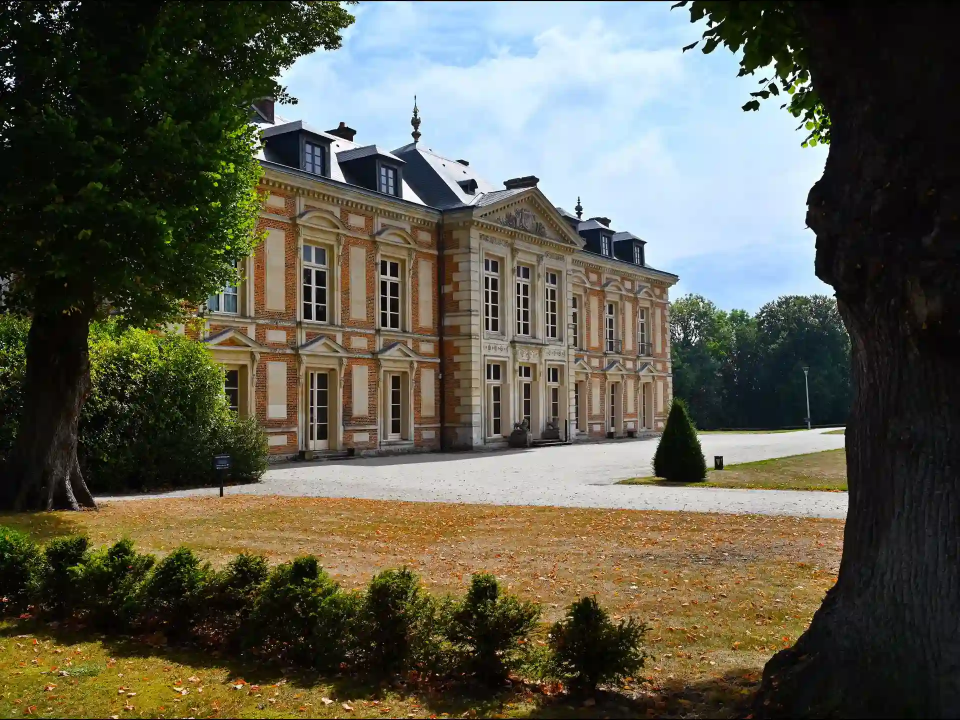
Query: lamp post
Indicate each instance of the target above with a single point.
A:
(806, 382)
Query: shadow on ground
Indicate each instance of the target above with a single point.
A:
(725, 696)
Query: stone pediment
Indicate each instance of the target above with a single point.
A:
(233, 339)
(399, 351)
(324, 345)
(530, 213)
(580, 365)
(615, 367)
(646, 369)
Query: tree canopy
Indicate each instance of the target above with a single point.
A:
(768, 34)
(737, 370)
(129, 161)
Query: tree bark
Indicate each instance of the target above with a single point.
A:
(42, 472)
(886, 641)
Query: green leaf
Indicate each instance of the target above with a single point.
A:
(752, 105)
(691, 46)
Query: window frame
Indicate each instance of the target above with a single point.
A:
(553, 392)
(220, 297)
(604, 245)
(638, 254)
(551, 304)
(228, 387)
(318, 149)
(525, 404)
(610, 326)
(494, 394)
(384, 313)
(524, 291)
(492, 295)
(314, 268)
(643, 341)
(576, 309)
(389, 174)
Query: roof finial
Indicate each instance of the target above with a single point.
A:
(415, 121)
(579, 208)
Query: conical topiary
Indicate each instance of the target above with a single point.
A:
(679, 457)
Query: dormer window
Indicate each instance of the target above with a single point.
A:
(388, 180)
(638, 254)
(313, 158)
(604, 245)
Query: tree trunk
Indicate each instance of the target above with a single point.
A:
(42, 472)
(886, 641)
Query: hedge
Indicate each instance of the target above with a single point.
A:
(156, 414)
(679, 457)
(296, 614)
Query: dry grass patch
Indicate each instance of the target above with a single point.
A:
(825, 470)
(721, 593)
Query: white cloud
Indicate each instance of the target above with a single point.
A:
(596, 99)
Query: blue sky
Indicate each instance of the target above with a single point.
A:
(597, 100)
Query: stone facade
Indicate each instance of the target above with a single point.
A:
(502, 315)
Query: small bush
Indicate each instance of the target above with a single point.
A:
(63, 569)
(110, 584)
(170, 596)
(229, 599)
(302, 617)
(246, 443)
(490, 625)
(13, 364)
(396, 621)
(21, 565)
(590, 649)
(679, 457)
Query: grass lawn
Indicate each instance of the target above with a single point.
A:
(721, 594)
(825, 470)
(841, 431)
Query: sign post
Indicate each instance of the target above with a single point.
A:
(221, 463)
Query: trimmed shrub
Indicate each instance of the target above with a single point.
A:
(589, 649)
(302, 617)
(396, 622)
(110, 584)
(229, 599)
(21, 566)
(490, 625)
(679, 457)
(63, 569)
(172, 593)
(156, 414)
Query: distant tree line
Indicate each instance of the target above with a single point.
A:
(737, 370)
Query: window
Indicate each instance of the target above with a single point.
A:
(491, 295)
(553, 382)
(526, 393)
(551, 304)
(226, 301)
(610, 326)
(638, 254)
(494, 400)
(396, 407)
(231, 388)
(613, 407)
(313, 158)
(315, 274)
(388, 180)
(575, 419)
(390, 294)
(642, 347)
(523, 300)
(643, 406)
(575, 320)
(604, 244)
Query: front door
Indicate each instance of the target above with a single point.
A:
(318, 430)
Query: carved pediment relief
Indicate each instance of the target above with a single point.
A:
(531, 213)
(523, 219)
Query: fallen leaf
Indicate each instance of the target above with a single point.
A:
(348, 708)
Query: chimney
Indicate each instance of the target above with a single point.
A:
(342, 131)
(264, 108)
(463, 162)
(602, 220)
(527, 181)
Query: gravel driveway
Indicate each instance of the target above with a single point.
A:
(567, 476)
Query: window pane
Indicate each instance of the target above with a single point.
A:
(307, 253)
(230, 303)
(213, 303)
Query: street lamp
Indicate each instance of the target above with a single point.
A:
(806, 382)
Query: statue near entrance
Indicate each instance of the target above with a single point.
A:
(521, 437)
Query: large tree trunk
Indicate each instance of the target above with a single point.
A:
(42, 472)
(886, 641)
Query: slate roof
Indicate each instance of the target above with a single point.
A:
(366, 151)
(591, 225)
(496, 196)
(436, 178)
(623, 235)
